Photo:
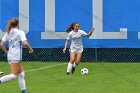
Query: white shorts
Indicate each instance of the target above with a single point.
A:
(13, 61)
(14, 57)
(76, 50)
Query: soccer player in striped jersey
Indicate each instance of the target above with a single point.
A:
(15, 39)
(76, 48)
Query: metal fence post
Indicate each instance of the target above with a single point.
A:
(96, 55)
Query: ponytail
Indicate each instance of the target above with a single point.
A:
(71, 27)
(12, 24)
(9, 27)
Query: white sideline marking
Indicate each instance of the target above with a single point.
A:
(45, 67)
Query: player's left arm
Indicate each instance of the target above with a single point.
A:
(2, 44)
(25, 42)
(90, 33)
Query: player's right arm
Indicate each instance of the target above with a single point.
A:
(2, 43)
(66, 44)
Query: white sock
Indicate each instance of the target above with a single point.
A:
(7, 78)
(74, 64)
(69, 67)
(21, 81)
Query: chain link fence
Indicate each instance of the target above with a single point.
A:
(89, 55)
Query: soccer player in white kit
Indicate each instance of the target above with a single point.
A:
(15, 39)
(76, 48)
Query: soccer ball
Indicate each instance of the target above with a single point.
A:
(84, 71)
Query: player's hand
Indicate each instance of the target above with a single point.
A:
(64, 50)
(92, 29)
(31, 51)
(5, 53)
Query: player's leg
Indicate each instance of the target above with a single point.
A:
(21, 79)
(77, 61)
(78, 58)
(72, 59)
(14, 72)
(73, 66)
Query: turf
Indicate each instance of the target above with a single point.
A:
(102, 78)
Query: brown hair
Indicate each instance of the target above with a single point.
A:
(12, 24)
(71, 27)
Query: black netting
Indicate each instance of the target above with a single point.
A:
(89, 55)
(119, 55)
(55, 55)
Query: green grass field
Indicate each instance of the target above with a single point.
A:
(50, 77)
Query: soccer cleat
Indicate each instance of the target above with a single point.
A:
(73, 70)
(23, 91)
(68, 73)
(1, 73)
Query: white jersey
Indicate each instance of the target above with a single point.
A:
(15, 39)
(76, 38)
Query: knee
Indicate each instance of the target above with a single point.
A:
(13, 76)
(22, 74)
